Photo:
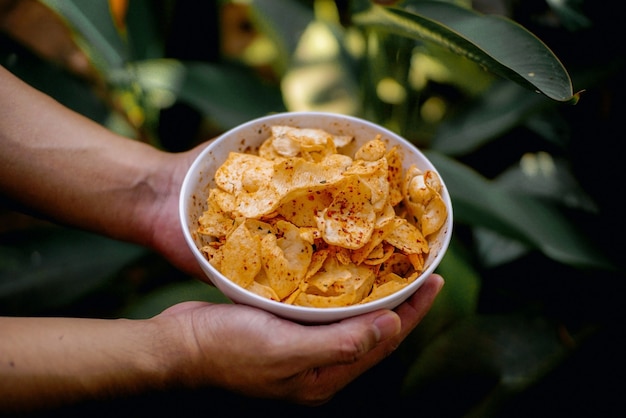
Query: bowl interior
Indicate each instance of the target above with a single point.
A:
(247, 138)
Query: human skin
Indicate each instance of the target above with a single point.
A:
(60, 165)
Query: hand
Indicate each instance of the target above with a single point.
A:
(253, 352)
(167, 237)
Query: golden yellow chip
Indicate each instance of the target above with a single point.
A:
(389, 284)
(407, 238)
(243, 173)
(373, 150)
(349, 220)
(241, 269)
(215, 222)
(263, 290)
(286, 259)
(421, 191)
(301, 209)
(395, 175)
(337, 284)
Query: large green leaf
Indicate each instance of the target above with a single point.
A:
(498, 44)
(97, 33)
(529, 219)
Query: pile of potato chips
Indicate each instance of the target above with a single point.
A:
(304, 224)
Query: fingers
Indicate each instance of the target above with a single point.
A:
(417, 306)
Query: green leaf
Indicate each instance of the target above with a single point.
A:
(498, 110)
(547, 177)
(498, 44)
(97, 33)
(532, 221)
(52, 267)
(494, 249)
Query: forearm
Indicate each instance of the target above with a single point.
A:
(70, 169)
(47, 362)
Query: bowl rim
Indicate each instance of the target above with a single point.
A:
(304, 313)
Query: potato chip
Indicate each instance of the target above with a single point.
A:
(289, 178)
(263, 290)
(378, 235)
(349, 220)
(381, 253)
(395, 175)
(374, 175)
(421, 191)
(302, 208)
(243, 173)
(241, 270)
(304, 224)
(373, 150)
(287, 141)
(407, 238)
(389, 284)
(215, 222)
(337, 284)
(285, 259)
(398, 264)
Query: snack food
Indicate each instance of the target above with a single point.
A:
(302, 223)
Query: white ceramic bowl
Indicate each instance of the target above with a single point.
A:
(247, 137)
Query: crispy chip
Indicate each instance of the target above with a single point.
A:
(285, 259)
(349, 220)
(390, 283)
(421, 191)
(395, 175)
(407, 238)
(373, 150)
(302, 208)
(263, 290)
(215, 222)
(241, 270)
(337, 284)
(243, 173)
(374, 175)
(289, 178)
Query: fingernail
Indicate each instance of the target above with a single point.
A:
(386, 326)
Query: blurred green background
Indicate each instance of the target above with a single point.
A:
(518, 104)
